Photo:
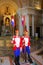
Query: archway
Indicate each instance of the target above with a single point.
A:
(8, 8)
(9, 5)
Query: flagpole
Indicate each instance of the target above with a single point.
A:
(12, 23)
(13, 30)
(23, 22)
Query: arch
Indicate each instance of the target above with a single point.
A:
(13, 7)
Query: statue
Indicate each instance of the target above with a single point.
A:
(7, 21)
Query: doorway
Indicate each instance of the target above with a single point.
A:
(38, 31)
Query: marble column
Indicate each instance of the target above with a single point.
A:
(20, 26)
(42, 27)
(33, 25)
(23, 13)
(27, 22)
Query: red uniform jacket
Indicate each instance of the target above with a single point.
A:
(26, 41)
(17, 41)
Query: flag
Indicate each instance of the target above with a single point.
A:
(23, 20)
(12, 21)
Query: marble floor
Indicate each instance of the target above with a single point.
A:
(35, 47)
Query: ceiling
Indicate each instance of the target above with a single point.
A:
(30, 3)
(13, 5)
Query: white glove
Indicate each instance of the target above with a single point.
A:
(21, 49)
(12, 42)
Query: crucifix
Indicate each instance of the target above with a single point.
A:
(7, 9)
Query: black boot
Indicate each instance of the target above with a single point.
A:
(18, 61)
(29, 59)
(25, 57)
